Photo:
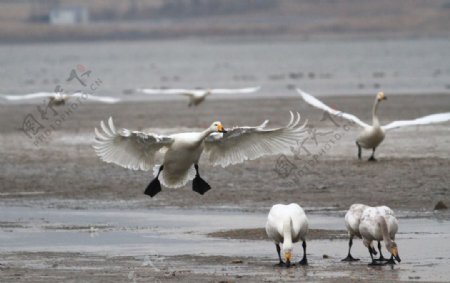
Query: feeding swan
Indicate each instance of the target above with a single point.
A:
(197, 96)
(58, 98)
(287, 224)
(376, 226)
(352, 221)
(136, 150)
(373, 135)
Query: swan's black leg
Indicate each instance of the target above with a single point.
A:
(349, 256)
(198, 184)
(359, 150)
(281, 263)
(374, 262)
(155, 186)
(372, 157)
(304, 261)
(381, 258)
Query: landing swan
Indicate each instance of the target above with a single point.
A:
(197, 96)
(136, 150)
(373, 135)
(287, 224)
(58, 98)
(375, 226)
(352, 221)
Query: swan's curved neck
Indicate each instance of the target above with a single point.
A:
(384, 229)
(375, 121)
(205, 134)
(287, 232)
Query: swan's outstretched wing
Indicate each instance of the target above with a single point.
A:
(434, 118)
(319, 104)
(237, 90)
(249, 143)
(91, 97)
(165, 90)
(130, 149)
(28, 96)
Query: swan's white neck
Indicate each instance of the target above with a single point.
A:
(205, 133)
(384, 229)
(375, 121)
(287, 233)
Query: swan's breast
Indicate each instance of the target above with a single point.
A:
(370, 137)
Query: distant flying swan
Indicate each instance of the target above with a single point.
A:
(373, 135)
(197, 96)
(58, 98)
(287, 224)
(136, 150)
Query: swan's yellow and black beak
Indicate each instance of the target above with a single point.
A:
(220, 128)
(288, 257)
(394, 252)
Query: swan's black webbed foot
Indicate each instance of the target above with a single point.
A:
(198, 184)
(372, 157)
(349, 258)
(304, 261)
(155, 186)
(376, 263)
(390, 261)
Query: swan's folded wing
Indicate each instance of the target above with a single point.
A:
(29, 96)
(319, 104)
(91, 97)
(249, 143)
(130, 149)
(434, 118)
(237, 90)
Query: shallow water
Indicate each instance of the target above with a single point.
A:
(331, 67)
(423, 242)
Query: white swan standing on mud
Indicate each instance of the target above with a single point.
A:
(197, 96)
(287, 224)
(352, 221)
(375, 225)
(373, 135)
(136, 150)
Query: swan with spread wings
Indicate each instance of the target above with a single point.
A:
(197, 96)
(372, 135)
(181, 152)
(59, 98)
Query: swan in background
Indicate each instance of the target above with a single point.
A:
(136, 150)
(352, 221)
(373, 135)
(374, 226)
(287, 224)
(197, 96)
(58, 98)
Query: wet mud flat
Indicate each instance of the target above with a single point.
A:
(65, 215)
(113, 245)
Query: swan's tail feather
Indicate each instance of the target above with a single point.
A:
(174, 181)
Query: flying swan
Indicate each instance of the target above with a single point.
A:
(287, 224)
(377, 226)
(181, 152)
(58, 98)
(352, 221)
(197, 96)
(373, 135)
